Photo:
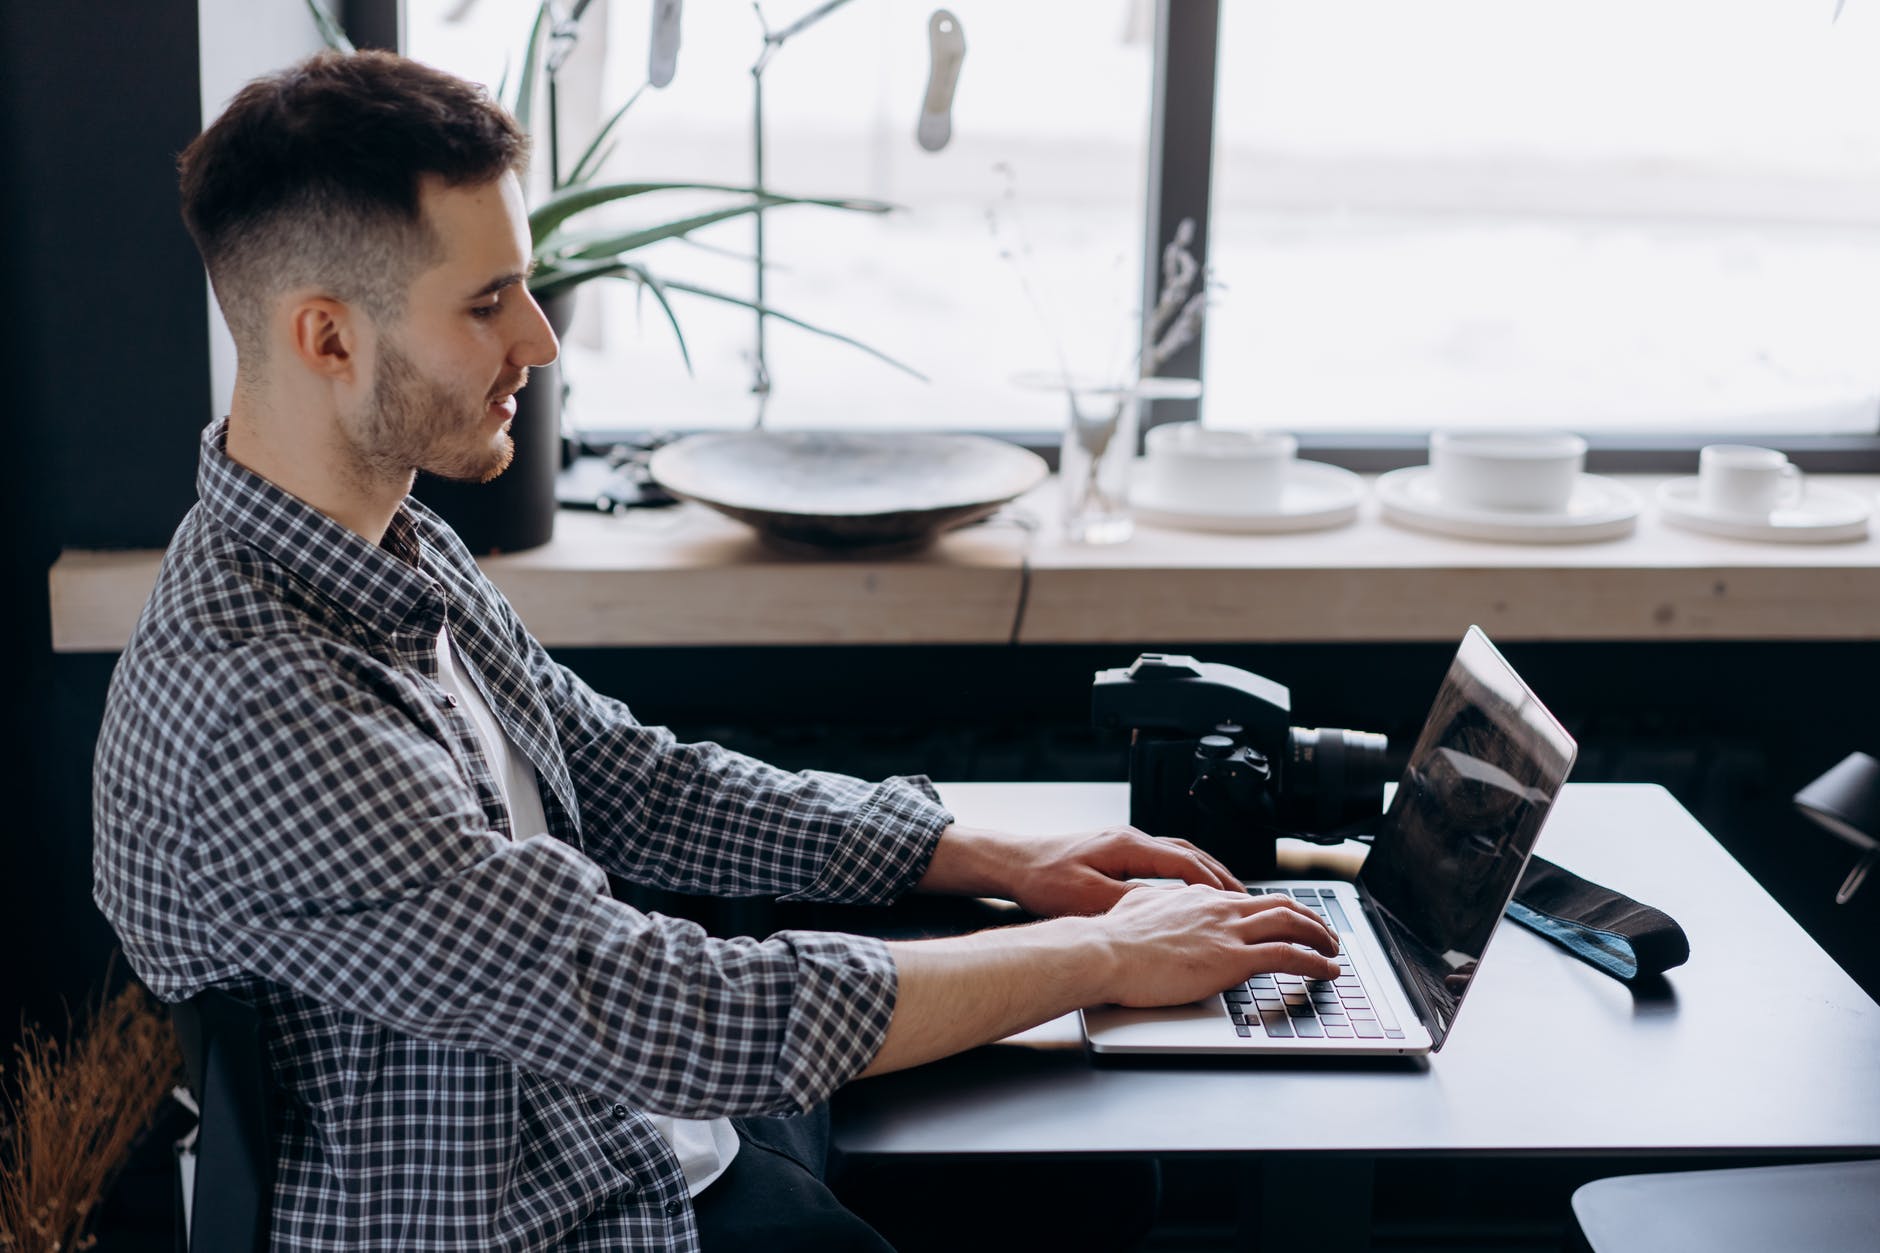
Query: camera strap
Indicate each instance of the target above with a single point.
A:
(1625, 938)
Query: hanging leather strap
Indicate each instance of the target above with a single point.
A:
(1626, 939)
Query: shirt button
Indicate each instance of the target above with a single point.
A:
(450, 701)
(620, 1111)
(675, 1208)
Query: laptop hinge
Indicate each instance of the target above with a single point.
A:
(1400, 965)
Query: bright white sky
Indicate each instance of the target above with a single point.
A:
(1776, 83)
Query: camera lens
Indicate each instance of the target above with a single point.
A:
(1332, 777)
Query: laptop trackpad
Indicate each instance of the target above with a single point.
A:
(1116, 1025)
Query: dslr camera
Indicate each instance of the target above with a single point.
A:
(1213, 759)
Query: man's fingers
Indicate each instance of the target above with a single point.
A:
(1225, 876)
(1284, 924)
(1149, 858)
(1283, 902)
(1292, 960)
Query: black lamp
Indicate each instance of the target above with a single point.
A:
(1846, 801)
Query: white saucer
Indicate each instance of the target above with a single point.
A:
(1599, 509)
(1825, 514)
(1316, 497)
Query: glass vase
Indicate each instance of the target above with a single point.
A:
(1094, 463)
(1098, 452)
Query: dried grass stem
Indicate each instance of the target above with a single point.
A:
(71, 1116)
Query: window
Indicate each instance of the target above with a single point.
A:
(1653, 221)
(1050, 131)
(1617, 216)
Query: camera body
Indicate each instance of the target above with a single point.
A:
(1213, 759)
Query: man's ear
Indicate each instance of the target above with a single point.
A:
(324, 334)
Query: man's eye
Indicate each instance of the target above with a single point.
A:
(484, 311)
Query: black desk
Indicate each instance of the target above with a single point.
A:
(1549, 1056)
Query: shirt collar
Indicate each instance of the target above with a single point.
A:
(380, 584)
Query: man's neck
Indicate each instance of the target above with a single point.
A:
(305, 455)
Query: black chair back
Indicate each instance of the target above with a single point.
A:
(220, 1036)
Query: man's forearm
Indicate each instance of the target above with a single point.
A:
(968, 861)
(969, 990)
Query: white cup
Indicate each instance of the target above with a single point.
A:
(1516, 471)
(1216, 471)
(1746, 481)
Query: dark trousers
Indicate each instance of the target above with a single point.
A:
(772, 1196)
(783, 1193)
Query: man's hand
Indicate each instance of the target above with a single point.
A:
(1082, 872)
(1173, 945)
(1158, 946)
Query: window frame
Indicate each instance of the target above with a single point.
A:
(374, 23)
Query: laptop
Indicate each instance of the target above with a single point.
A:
(1414, 928)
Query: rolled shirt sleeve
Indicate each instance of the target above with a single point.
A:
(703, 819)
(342, 855)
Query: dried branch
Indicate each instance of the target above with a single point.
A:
(1172, 326)
(1179, 269)
(1180, 334)
(1177, 317)
(1018, 255)
(72, 1115)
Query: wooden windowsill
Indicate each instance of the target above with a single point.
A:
(689, 576)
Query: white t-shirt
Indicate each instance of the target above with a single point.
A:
(704, 1147)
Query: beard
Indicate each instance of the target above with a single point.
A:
(414, 421)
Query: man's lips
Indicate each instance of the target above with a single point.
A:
(504, 397)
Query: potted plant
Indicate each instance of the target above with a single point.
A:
(516, 510)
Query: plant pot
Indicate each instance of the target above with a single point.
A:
(516, 509)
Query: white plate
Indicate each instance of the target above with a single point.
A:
(1316, 497)
(1599, 509)
(1824, 514)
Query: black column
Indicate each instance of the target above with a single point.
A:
(1181, 166)
(105, 387)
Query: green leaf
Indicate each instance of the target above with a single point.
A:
(648, 282)
(548, 282)
(330, 30)
(564, 204)
(525, 88)
(582, 169)
(612, 245)
(599, 163)
(554, 280)
(727, 298)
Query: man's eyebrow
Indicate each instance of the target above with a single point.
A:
(503, 280)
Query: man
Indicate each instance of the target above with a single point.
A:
(338, 776)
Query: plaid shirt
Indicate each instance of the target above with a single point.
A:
(465, 1027)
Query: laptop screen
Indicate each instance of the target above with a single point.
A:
(1467, 813)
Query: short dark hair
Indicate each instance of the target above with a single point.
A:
(311, 177)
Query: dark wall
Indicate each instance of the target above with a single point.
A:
(107, 381)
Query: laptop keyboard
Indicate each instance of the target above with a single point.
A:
(1289, 1007)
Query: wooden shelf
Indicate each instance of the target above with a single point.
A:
(689, 576)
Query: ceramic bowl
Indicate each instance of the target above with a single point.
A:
(847, 490)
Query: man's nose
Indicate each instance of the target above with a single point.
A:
(537, 346)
